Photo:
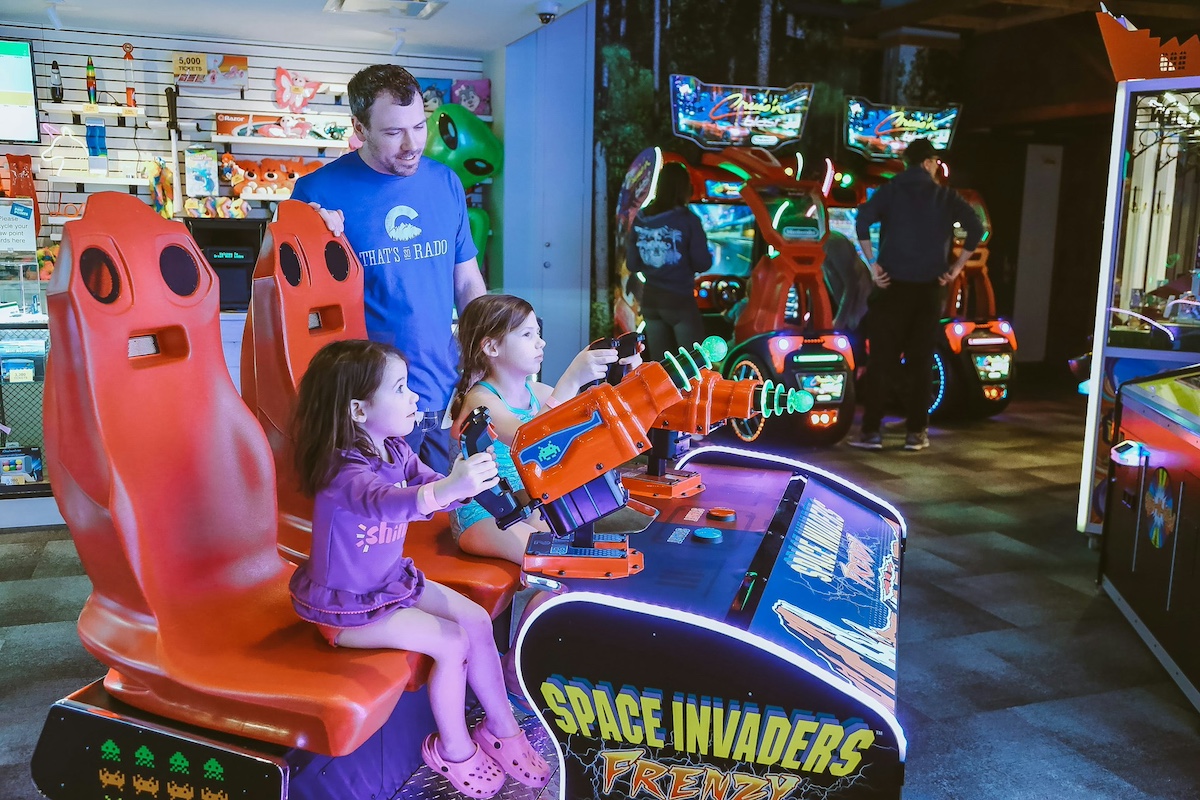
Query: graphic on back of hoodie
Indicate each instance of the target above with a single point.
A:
(658, 247)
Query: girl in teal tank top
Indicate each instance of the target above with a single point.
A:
(501, 348)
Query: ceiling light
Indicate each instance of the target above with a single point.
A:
(409, 9)
(399, 43)
(52, 13)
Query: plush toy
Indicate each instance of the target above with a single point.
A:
(465, 143)
(46, 256)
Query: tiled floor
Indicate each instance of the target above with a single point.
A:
(1018, 678)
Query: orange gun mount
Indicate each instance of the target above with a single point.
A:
(568, 457)
(711, 403)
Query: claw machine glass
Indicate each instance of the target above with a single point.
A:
(1148, 308)
(24, 342)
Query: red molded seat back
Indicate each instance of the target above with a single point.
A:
(308, 291)
(167, 484)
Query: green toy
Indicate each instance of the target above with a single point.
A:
(465, 144)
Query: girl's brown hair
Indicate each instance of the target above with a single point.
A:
(321, 425)
(488, 316)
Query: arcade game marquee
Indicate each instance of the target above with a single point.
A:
(1148, 301)
(974, 362)
(765, 228)
(736, 642)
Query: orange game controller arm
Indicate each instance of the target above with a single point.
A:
(565, 447)
(715, 400)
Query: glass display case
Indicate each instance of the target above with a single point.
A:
(23, 349)
(1148, 305)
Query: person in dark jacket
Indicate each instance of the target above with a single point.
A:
(916, 217)
(666, 247)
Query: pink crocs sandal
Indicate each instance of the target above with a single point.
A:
(479, 776)
(515, 755)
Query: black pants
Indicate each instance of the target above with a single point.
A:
(903, 320)
(672, 321)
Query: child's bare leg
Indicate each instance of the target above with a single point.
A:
(485, 538)
(483, 662)
(445, 641)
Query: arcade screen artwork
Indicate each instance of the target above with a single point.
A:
(993, 366)
(715, 116)
(723, 190)
(730, 231)
(882, 132)
(826, 387)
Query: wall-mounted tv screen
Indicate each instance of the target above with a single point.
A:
(18, 100)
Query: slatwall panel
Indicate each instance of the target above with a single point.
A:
(129, 146)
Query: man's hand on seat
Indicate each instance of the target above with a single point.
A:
(334, 219)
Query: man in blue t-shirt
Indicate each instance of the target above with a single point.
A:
(405, 215)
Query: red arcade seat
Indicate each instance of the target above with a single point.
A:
(166, 482)
(308, 291)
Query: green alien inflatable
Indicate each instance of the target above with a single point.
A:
(464, 143)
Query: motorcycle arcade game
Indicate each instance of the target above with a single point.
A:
(974, 362)
(765, 292)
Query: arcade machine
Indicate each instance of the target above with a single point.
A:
(1150, 544)
(752, 630)
(1148, 301)
(215, 690)
(974, 362)
(765, 225)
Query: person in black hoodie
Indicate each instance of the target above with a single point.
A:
(916, 217)
(666, 248)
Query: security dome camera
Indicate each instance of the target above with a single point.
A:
(547, 11)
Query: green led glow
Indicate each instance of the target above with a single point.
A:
(714, 348)
(683, 378)
(736, 170)
(811, 358)
(692, 362)
(776, 400)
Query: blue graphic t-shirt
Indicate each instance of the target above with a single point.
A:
(408, 233)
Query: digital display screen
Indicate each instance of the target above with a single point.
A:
(882, 132)
(993, 366)
(826, 387)
(723, 189)
(715, 116)
(18, 100)
(730, 231)
(842, 221)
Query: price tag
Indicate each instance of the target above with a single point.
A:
(90, 108)
(189, 64)
(126, 111)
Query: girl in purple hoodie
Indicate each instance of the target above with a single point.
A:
(360, 590)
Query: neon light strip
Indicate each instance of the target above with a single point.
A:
(687, 382)
(692, 361)
(658, 163)
(988, 340)
(807, 359)
(828, 182)
(771, 458)
(779, 213)
(1129, 313)
(704, 623)
(1180, 301)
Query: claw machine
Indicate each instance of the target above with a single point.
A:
(1148, 304)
